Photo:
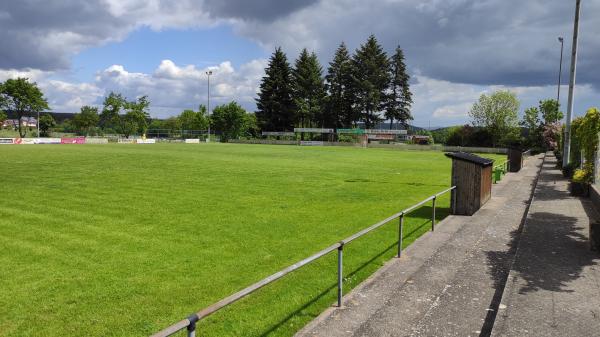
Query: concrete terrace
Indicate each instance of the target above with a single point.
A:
(451, 282)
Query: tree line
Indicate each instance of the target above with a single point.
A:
(364, 87)
(495, 122)
(122, 116)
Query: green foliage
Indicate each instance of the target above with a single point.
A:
(46, 122)
(86, 120)
(587, 134)
(371, 80)
(399, 99)
(340, 111)
(584, 175)
(498, 114)
(137, 116)
(275, 105)
(308, 91)
(126, 117)
(3, 117)
(531, 121)
(550, 110)
(441, 136)
(22, 97)
(194, 120)
(112, 107)
(231, 119)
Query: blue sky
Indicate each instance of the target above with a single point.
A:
(456, 50)
(144, 49)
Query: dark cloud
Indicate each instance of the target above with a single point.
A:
(504, 42)
(44, 34)
(261, 10)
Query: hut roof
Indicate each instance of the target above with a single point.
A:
(471, 158)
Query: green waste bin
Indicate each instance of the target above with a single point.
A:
(497, 175)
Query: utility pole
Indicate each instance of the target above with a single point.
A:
(208, 73)
(561, 40)
(567, 145)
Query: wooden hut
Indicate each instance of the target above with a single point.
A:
(472, 176)
(515, 160)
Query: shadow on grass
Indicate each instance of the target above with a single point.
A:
(423, 212)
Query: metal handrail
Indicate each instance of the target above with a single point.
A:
(190, 321)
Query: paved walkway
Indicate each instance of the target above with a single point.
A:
(447, 283)
(554, 284)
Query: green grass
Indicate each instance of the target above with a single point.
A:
(124, 240)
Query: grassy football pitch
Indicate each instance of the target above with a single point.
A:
(123, 240)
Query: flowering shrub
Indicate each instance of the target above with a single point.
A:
(551, 135)
(583, 175)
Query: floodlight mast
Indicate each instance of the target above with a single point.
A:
(208, 73)
(562, 44)
(567, 145)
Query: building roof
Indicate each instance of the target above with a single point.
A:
(471, 158)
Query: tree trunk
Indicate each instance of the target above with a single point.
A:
(391, 122)
(19, 116)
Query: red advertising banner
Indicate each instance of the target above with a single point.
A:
(74, 140)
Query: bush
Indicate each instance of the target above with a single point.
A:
(568, 170)
(583, 175)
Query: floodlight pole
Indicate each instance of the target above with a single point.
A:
(208, 73)
(567, 141)
(562, 43)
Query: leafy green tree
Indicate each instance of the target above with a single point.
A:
(252, 129)
(399, 100)
(3, 117)
(371, 80)
(275, 105)
(194, 120)
(137, 114)
(113, 106)
(497, 113)
(231, 119)
(22, 97)
(86, 120)
(46, 123)
(173, 124)
(531, 121)
(127, 117)
(308, 90)
(339, 106)
(550, 110)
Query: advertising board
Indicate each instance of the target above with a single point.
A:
(311, 143)
(72, 140)
(192, 141)
(5, 141)
(48, 140)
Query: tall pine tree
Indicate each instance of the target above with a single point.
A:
(339, 111)
(309, 90)
(371, 80)
(275, 107)
(399, 99)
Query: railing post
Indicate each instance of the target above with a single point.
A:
(400, 226)
(454, 201)
(191, 328)
(433, 214)
(340, 274)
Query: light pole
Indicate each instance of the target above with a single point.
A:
(38, 124)
(567, 145)
(208, 73)
(561, 40)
